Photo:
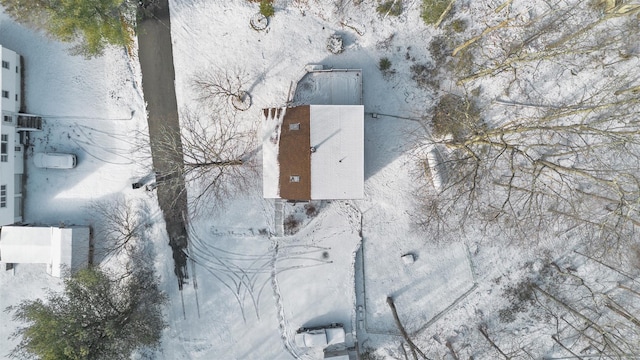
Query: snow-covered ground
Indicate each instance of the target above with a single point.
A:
(248, 291)
(90, 108)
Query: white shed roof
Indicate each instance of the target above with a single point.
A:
(59, 248)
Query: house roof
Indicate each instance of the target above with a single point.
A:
(335, 167)
(294, 153)
(315, 152)
(25, 245)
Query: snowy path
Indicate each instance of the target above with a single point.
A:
(279, 218)
(282, 321)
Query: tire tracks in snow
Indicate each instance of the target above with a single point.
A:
(282, 321)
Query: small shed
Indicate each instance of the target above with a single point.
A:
(61, 248)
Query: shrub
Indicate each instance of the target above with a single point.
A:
(520, 297)
(311, 210)
(291, 225)
(456, 116)
(459, 25)
(462, 64)
(440, 50)
(432, 9)
(266, 8)
(424, 75)
(384, 64)
(391, 7)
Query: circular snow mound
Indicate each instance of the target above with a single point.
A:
(241, 102)
(259, 22)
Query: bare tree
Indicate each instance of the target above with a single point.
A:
(226, 86)
(591, 319)
(119, 225)
(566, 167)
(557, 310)
(213, 154)
(551, 155)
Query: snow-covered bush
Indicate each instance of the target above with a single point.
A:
(334, 44)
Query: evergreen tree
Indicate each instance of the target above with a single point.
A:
(95, 317)
(94, 24)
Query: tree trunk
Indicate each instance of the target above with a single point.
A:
(404, 333)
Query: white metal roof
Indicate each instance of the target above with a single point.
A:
(59, 248)
(337, 165)
(25, 245)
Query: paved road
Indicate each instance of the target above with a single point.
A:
(158, 75)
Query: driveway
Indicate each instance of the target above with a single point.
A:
(158, 75)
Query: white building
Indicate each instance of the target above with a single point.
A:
(12, 124)
(315, 151)
(61, 249)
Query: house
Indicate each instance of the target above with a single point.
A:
(315, 151)
(13, 126)
(60, 248)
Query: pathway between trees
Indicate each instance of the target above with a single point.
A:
(158, 75)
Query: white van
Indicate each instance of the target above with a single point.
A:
(54, 160)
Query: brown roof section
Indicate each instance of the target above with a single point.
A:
(294, 155)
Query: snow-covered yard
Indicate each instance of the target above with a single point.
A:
(91, 109)
(249, 291)
(248, 294)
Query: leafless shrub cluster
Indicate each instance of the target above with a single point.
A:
(573, 307)
(291, 224)
(456, 116)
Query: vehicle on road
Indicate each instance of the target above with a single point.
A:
(55, 160)
(321, 337)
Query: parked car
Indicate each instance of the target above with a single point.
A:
(54, 160)
(320, 336)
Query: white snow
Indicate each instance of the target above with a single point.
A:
(270, 133)
(249, 291)
(330, 87)
(91, 108)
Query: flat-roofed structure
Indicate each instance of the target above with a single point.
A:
(316, 151)
(60, 248)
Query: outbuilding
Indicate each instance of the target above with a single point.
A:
(60, 248)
